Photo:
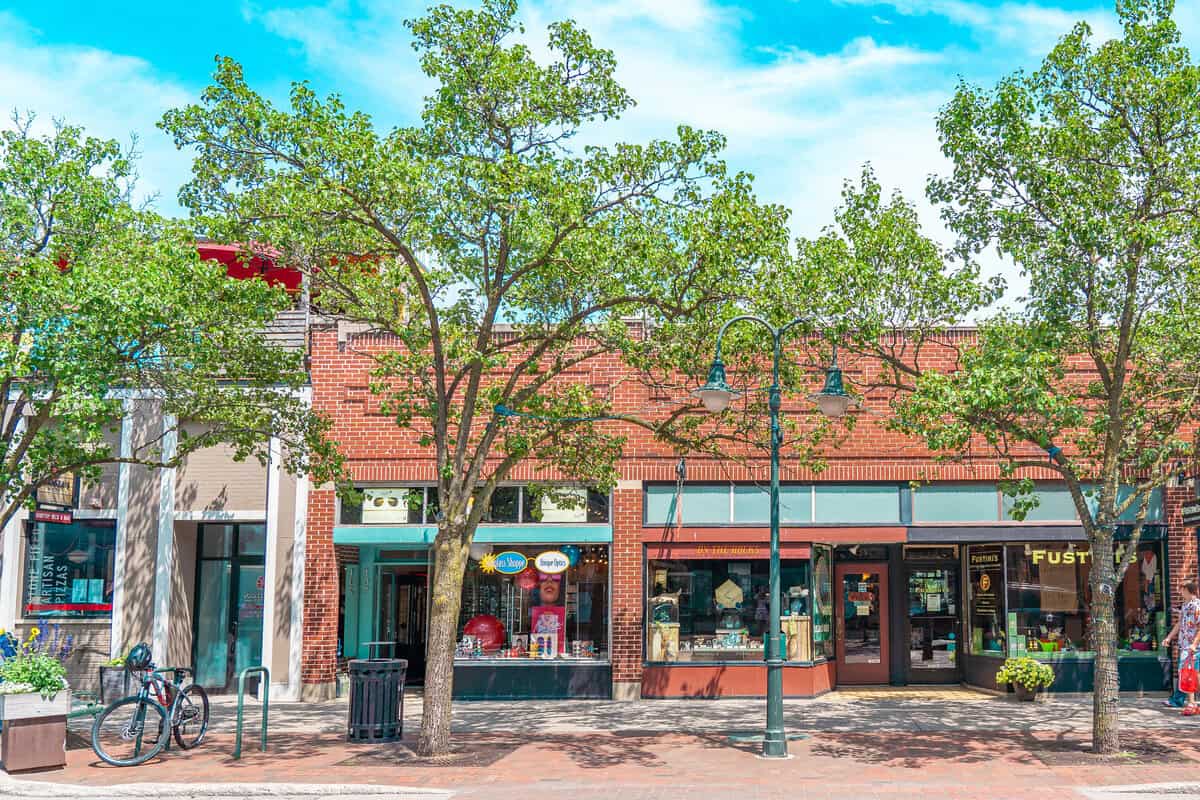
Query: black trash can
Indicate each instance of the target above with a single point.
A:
(376, 700)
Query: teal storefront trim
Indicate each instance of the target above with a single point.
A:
(423, 535)
(362, 595)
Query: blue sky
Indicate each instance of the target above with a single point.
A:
(805, 90)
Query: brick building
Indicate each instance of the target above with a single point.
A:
(664, 589)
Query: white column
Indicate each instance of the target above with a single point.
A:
(296, 640)
(10, 567)
(166, 544)
(10, 571)
(271, 556)
(117, 644)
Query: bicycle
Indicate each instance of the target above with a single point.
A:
(119, 732)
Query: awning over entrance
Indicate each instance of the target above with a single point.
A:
(423, 535)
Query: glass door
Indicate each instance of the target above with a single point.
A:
(933, 623)
(402, 615)
(862, 614)
(230, 591)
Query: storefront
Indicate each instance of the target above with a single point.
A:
(707, 616)
(535, 613)
(1031, 599)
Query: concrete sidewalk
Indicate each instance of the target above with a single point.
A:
(883, 743)
(846, 710)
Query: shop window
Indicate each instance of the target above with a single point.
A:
(823, 645)
(1047, 597)
(1141, 604)
(865, 503)
(752, 504)
(505, 505)
(69, 569)
(985, 599)
(511, 610)
(960, 502)
(702, 610)
(399, 505)
(566, 504)
(706, 505)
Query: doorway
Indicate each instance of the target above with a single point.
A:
(862, 617)
(933, 634)
(230, 587)
(403, 615)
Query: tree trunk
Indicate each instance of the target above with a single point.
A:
(449, 565)
(1106, 733)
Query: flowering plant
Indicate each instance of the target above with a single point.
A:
(1028, 672)
(35, 664)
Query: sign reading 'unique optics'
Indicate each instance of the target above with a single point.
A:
(510, 562)
(552, 562)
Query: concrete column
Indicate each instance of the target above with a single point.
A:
(296, 631)
(165, 555)
(125, 450)
(271, 565)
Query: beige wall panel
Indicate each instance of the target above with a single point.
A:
(210, 480)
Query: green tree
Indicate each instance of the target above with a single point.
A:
(500, 257)
(103, 303)
(1086, 175)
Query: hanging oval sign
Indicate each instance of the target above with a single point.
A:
(510, 562)
(552, 562)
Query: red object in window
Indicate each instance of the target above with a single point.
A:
(489, 631)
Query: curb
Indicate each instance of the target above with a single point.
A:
(11, 787)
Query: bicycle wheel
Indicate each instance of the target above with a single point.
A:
(189, 716)
(130, 732)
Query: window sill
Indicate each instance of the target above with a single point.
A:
(42, 621)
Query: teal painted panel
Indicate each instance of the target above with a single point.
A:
(706, 505)
(849, 503)
(752, 504)
(659, 507)
(962, 502)
(423, 535)
(1054, 505)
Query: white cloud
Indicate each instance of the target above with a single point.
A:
(802, 121)
(1027, 26)
(109, 95)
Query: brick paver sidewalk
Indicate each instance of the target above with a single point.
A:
(859, 744)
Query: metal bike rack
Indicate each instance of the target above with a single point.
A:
(241, 698)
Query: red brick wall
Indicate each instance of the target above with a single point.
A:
(318, 659)
(1181, 547)
(378, 450)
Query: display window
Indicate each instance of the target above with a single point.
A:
(718, 609)
(69, 569)
(1033, 599)
(535, 602)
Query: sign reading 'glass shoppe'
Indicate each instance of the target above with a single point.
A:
(510, 562)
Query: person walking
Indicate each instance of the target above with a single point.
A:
(1187, 629)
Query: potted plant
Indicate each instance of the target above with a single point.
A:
(114, 680)
(1027, 675)
(34, 701)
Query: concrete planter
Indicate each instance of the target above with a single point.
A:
(35, 731)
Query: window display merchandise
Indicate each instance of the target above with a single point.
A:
(535, 602)
(701, 610)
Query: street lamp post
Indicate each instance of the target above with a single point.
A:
(833, 401)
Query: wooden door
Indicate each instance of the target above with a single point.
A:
(862, 622)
